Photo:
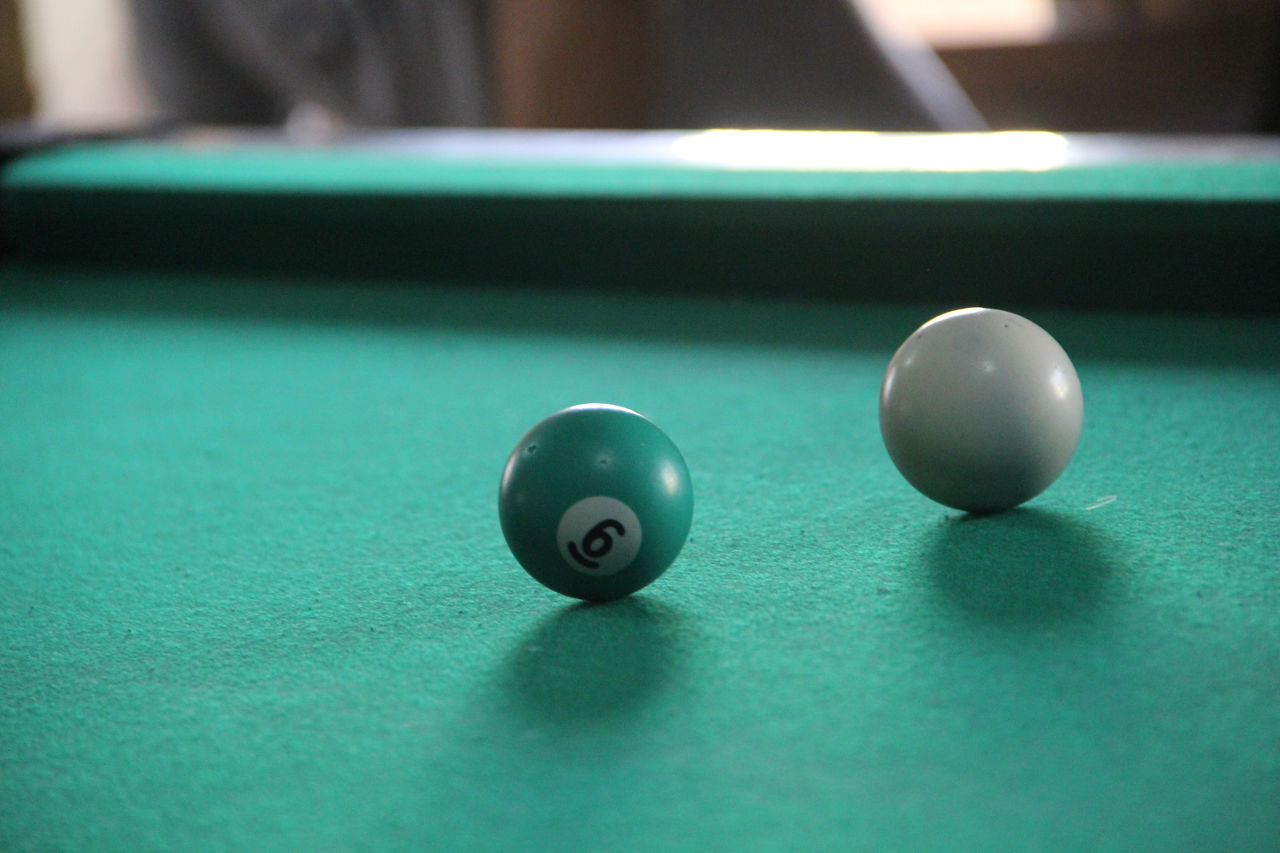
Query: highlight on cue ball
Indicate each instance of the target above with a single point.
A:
(595, 502)
(981, 409)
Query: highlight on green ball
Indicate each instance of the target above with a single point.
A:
(595, 502)
(981, 409)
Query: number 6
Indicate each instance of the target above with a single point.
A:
(596, 543)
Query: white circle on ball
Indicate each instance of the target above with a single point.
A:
(599, 536)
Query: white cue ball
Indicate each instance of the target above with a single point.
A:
(981, 409)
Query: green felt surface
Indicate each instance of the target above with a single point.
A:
(253, 594)
(268, 168)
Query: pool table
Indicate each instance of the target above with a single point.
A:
(255, 399)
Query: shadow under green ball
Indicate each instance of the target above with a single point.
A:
(1021, 567)
(592, 663)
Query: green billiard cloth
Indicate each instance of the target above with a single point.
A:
(253, 593)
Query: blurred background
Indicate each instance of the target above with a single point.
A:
(1196, 66)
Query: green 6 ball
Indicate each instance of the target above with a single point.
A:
(595, 502)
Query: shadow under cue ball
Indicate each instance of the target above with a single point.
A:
(596, 502)
(981, 409)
